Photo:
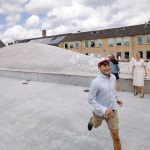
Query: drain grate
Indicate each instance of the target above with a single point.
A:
(25, 83)
(86, 90)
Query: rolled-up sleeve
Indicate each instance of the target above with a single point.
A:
(100, 109)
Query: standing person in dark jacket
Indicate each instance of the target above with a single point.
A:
(114, 66)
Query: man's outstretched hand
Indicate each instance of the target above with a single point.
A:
(120, 103)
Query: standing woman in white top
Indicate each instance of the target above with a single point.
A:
(139, 72)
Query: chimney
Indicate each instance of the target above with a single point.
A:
(43, 33)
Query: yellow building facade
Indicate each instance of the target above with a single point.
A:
(123, 42)
(123, 47)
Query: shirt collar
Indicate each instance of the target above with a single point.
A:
(103, 76)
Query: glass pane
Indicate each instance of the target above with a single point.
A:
(86, 43)
(99, 43)
(126, 55)
(126, 40)
(148, 54)
(139, 40)
(141, 54)
(71, 45)
(118, 55)
(77, 44)
(118, 41)
(66, 45)
(92, 44)
(148, 39)
(110, 42)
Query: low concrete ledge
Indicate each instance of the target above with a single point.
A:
(78, 80)
(124, 83)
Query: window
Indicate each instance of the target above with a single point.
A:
(141, 54)
(77, 44)
(110, 42)
(126, 41)
(110, 53)
(148, 39)
(66, 45)
(98, 43)
(98, 55)
(148, 54)
(71, 45)
(118, 41)
(92, 43)
(86, 43)
(118, 55)
(139, 39)
(126, 54)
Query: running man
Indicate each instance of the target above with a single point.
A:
(103, 98)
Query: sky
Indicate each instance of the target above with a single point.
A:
(22, 19)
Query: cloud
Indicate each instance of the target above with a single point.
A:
(12, 10)
(41, 6)
(98, 3)
(76, 10)
(11, 6)
(33, 21)
(17, 32)
(65, 16)
(12, 19)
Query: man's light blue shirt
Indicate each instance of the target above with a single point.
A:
(102, 94)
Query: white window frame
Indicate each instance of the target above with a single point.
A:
(71, 43)
(86, 46)
(137, 41)
(111, 42)
(118, 41)
(77, 42)
(148, 35)
(99, 43)
(66, 43)
(126, 41)
(93, 43)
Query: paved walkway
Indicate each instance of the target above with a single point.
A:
(48, 116)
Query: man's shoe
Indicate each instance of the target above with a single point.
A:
(90, 126)
(135, 93)
(142, 96)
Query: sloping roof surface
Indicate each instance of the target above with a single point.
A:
(141, 29)
(2, 44)
(49, 40)
(110, 33)
(44, 58)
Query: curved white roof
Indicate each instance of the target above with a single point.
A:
(38, 57)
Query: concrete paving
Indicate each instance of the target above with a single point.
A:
(48, 116)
